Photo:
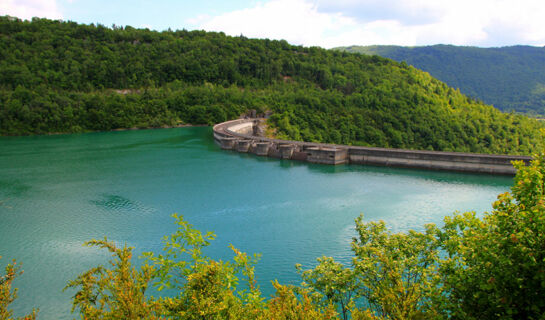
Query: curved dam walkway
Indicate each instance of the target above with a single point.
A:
(241, 136)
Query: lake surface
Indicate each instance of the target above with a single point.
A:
(58, 191)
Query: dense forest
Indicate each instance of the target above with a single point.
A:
(66, 77)
(510, 78)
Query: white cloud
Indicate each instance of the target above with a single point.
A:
(407, 12)
(198, 19)
(27, 9)
(297, 21)
(330, 23)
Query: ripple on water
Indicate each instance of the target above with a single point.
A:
(57, 192)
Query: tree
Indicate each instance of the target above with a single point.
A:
(472, 268)
(115, 293)
(7, 296)
(397, 271)
(207, 289)
(496, 265)
(331, 284)
(393, 275)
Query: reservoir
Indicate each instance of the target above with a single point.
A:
(57, 192)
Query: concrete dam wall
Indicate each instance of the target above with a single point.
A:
(242, 136)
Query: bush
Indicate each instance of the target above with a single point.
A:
(472, 268)
(208, 289)
(496, 265)
(7, 296)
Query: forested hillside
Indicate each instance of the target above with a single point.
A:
(66, 77)
(510, 78)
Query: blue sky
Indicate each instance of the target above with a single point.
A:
(326, 23)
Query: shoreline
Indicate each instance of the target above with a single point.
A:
(112, 130)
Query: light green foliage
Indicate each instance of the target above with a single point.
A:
(331, 284)
(472, 268)
(114, 293)
(285, 304)
(397, 271)
(7, 296)
(393, 275)
(496, 265)
(182, 255)
(208, 289)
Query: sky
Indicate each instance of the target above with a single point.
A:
(324, 23)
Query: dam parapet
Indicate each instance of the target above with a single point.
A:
(241, 135)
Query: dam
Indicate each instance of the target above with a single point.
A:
(243, 135)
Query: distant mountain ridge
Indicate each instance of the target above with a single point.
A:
(510, 78)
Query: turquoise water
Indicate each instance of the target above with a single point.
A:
(58, 191)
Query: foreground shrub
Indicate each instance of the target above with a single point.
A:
(7, 296)
(116, 293)
(496, 265)
(207, 289)
(393, 275)
(472, 268)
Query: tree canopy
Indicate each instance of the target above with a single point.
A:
(60, 76)
(510, 78)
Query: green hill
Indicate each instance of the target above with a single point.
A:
(66, 77)
(510, 78)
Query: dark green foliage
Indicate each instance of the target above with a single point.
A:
(65, 77)
(510, 78)
(406, 109)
